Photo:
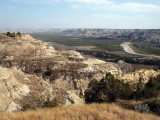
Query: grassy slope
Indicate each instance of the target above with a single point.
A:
(80, 112)
(100, 43)
(146, 48)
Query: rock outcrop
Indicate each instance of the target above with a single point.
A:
(133, 77)
(25, 46)
(12, 88)
(18, 89)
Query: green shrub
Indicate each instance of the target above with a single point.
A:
(49, 72)
(50, 103)
(154, 107)
(40, 103)
(18, 33)
(138, 94)
(127, 105)
(26, 106)
(152, 88)
(10, 34)
(107, 90)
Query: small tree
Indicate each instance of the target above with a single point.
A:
(107, 90)
(139, 89)
(8, 34)
(152, 88)
(12, 35)
(50, 103)
(19, 34)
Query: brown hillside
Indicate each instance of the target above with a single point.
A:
(34, 69)
(77, 112)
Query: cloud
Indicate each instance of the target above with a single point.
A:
(123, 21)
(76, 6)
(113, 16)
(96, 2)
(118, 16)
(126, 7)
(136, 7)
(36, 1)
(104, 4)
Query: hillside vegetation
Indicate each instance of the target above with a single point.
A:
(80, 112)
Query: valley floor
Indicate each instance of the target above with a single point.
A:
(79, 112)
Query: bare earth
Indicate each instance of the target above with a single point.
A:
(128, 49)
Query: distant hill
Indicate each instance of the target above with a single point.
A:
(147, 35)
(152, 35)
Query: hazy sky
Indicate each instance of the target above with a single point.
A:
(80, 14)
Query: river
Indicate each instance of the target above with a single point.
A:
(128, 49)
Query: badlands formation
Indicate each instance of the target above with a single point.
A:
(32, 69)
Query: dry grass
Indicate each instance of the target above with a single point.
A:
(81, 112)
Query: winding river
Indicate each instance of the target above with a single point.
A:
(128, 49)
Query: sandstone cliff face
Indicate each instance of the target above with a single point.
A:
(11, 89)
(133, 77)
(18, 88)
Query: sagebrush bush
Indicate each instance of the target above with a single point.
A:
(40, 103)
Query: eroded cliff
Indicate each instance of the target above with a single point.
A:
(43, 71)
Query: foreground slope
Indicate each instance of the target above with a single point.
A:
(15, 86)
(80, 112)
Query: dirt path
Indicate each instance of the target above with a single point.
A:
(128, 49)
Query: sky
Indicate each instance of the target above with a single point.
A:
(114, 14)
